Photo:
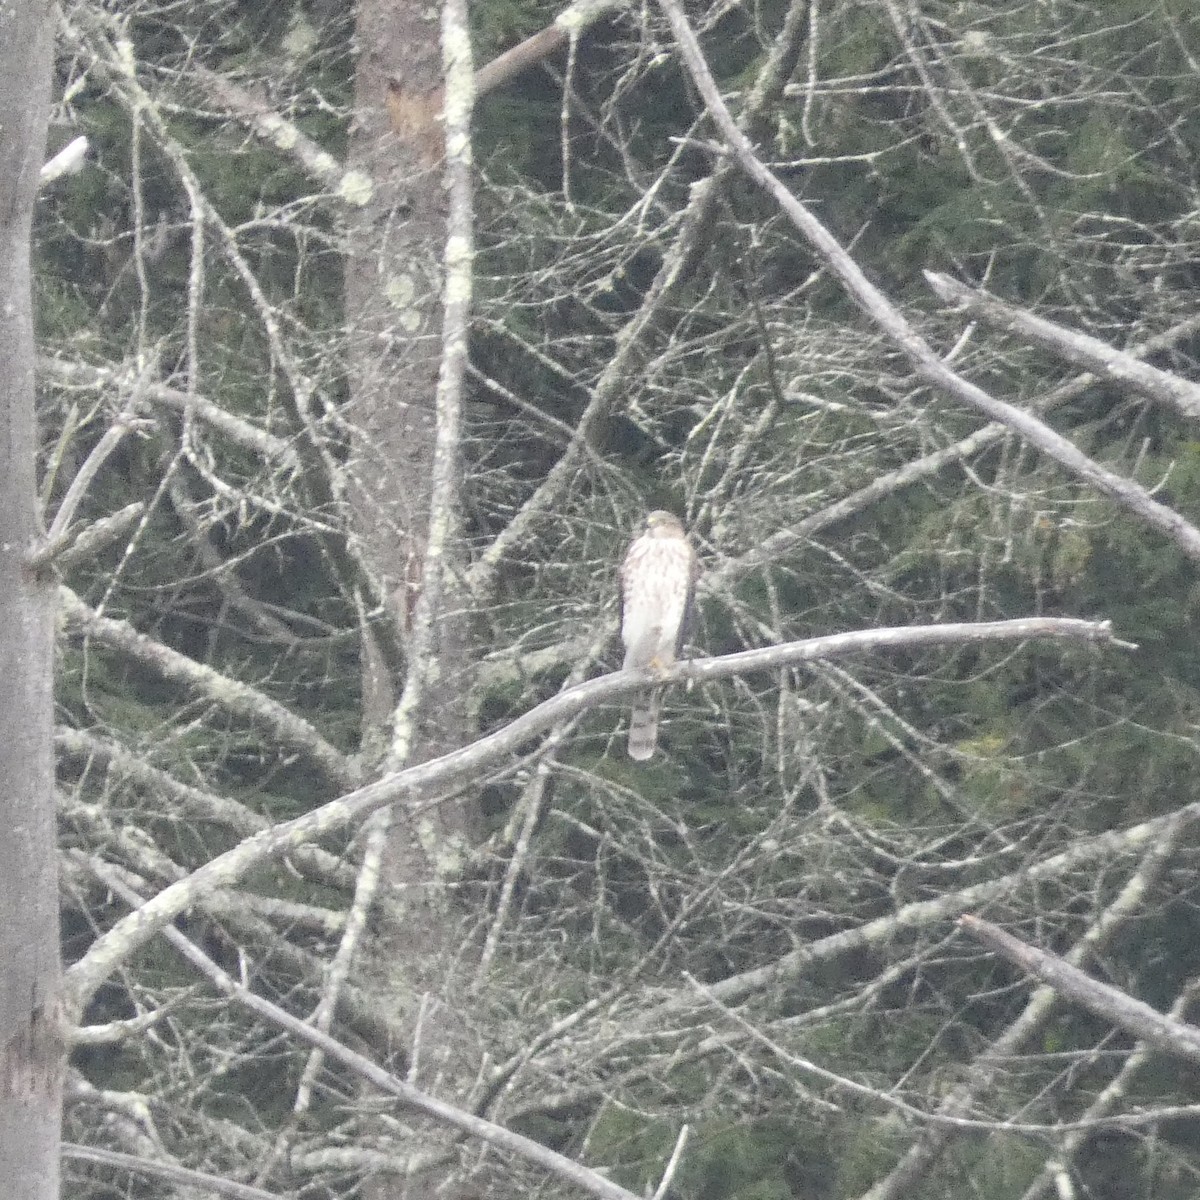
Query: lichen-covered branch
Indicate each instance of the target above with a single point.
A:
(232, 695)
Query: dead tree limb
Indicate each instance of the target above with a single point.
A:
(1103, 360)
(439, 778)
(925, 361)
(1134, 1016)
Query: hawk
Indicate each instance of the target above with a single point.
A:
(658, 583)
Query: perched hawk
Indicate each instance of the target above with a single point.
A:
(658, 582)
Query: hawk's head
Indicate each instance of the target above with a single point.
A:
(661, 523)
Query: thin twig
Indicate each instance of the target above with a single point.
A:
(673, 1164)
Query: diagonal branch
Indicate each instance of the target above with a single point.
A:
(230, 694)
(67, 161)
(678, 261)
(888, 317)
(1055, 1169)
(569, 23)
(1134, 1016)
(783, 540)
(1105, 361)
(56, 535)
(121, 765)
(439, 778)
(649, 1021)
(240, 431)
(916, 1162)
(283, 134)
(457, 1118)
(135, 1164)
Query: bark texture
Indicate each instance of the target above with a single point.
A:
(31, 1043)
(404, 494)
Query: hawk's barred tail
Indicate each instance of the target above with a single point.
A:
(643, 726)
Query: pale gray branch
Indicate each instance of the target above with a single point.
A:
(88, 541)
(439, 778)
(1105, 361)
(1112, 1094)
(927, 465)
(124, 765)
(920, 1157)
(1134, 1016)
(148, 1168)
(928, 365)
(572, 21)
(67, 161)
(242, 432)
(447, 1114)
(230, 694)
(271, 127)
(112, 438)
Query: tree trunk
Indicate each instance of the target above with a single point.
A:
(31, 1059)
(404, 493)
(392, 293)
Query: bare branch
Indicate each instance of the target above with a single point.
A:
(1107, 362)
(123, 765)
(948, 906)
(282, 134)
(1134, 1016)
(572, 21)
(915, 1163)
(238, 430)
(150, 1169)
(649, 1022)
(1113, 1093)
(439, 778)
(67, 161)
(230, 694)
(925, 467)
(89, 540)
(56, 536)
(884, 313)
(448, 1114)
(676, 1155)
